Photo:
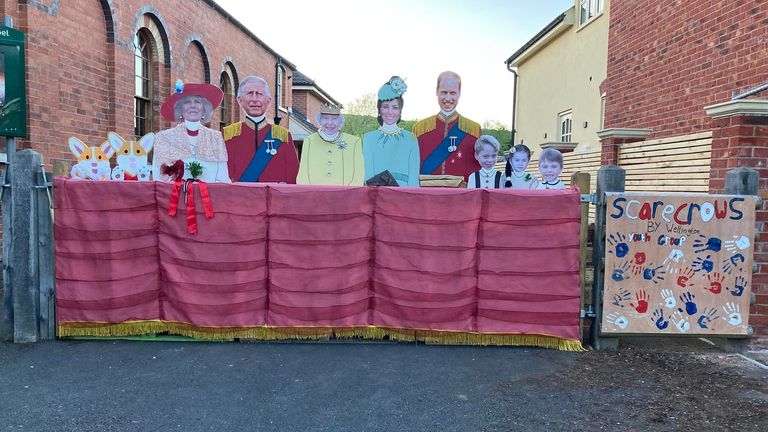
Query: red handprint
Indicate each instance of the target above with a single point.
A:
(639, 258)
(715, 283)
(642, 302)
(683, 281)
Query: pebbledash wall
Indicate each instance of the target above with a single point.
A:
(672, 68)
(80, 64)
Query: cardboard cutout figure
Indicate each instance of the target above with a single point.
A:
(191, 106)
(92, 162)
(329, 156)
(550, 167)
(259, 151)
(390, 147)
(447, 140)
(486, 153)
(131, 157)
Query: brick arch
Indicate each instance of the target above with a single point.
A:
(150, 18)
(228, 66)
(195, 45)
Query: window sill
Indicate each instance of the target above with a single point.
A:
(590, 21)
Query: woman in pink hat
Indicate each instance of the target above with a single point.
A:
(191, 105)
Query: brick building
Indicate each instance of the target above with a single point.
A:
(95, 66)
(673, 68)
(308, 97)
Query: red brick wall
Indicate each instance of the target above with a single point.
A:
(81, 78)
(667, 60)
(300, 100)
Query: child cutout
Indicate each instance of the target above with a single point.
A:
(550, 167)
(518, 160)
(486, 153)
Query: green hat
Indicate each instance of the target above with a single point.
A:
(393, 89)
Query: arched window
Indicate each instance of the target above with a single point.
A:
(143, 82)
(225, 112)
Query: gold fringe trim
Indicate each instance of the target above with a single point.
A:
(435, 337)
(233, 130)
(280, 133)
(423, 126)
(469, 126)
(134, 328)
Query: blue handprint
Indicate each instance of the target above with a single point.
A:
(703, 264)
(654, 274)
(702, 244)
(658, 318)
(733, 262)
(708, 317)
(619, 272)
(690, 306)
(619, 242)
(738, 286)
(620, 298)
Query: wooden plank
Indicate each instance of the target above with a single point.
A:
(652, 153)
(24, 260)
(581, 180)
(46, 258)
(636, 147)
(679, 138)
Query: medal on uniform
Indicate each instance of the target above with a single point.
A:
(452, 147)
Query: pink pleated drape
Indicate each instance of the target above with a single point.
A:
(457, 260)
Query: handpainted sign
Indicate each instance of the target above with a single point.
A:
(13, 99)
(678, 264)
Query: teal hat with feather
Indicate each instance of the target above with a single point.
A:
(392, 89)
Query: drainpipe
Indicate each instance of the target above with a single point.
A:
(279, 63)
(514, 100)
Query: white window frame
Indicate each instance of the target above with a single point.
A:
(589, 9)
(565, 126)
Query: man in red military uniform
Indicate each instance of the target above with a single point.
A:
(257, 150)
(447, 140)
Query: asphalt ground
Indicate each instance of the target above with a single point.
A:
(357, 386)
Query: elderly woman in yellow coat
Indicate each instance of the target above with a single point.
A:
(329, 156)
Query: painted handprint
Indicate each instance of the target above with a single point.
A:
(669, 298)
(619, 321)
(690, 306)
(738, 286)
(653, 274)
(658, 318)
(732, 313)
(732, 263)
(707, 318)
(739, 244)
(619, 243)
(681, 322)
(702, 244)
(672, 261)
(703, 264)
(684, 280)
(715, 283)
(620, 298)
(620, 272)
(642, 302)
(639, 258)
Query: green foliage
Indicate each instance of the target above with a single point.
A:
(359, 125)
(195, 169)
(504, 136)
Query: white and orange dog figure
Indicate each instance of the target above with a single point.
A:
(131, 157)
(92, 162)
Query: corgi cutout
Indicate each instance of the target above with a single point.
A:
(131, 157)
(92, 162)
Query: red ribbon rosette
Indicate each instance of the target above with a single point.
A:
(187, 188)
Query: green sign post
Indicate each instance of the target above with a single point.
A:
(13, 94)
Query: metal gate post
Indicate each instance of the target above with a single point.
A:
(610, 178)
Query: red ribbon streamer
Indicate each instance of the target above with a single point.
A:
(191, 212)
(190, 198)
(206, 199)
(174, 203)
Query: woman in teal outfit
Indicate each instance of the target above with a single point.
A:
(389, 147)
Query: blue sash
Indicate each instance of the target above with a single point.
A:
(441, 153)
(260, 160)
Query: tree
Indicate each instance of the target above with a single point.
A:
(365, 105)
(499, 131)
